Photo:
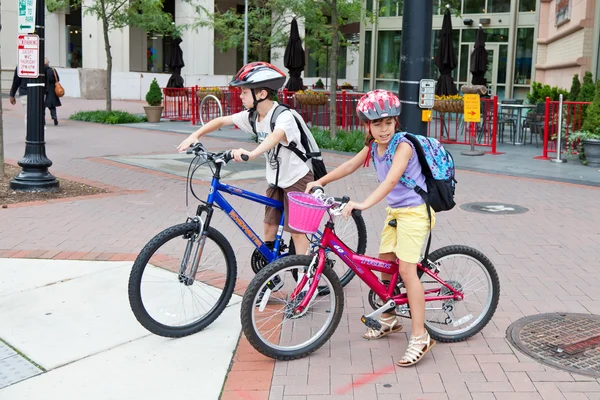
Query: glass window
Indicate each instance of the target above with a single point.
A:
(491, 35)
(367, 55)
(473, 6)
(464, 63)
(392, 86)
(502, 63)
(524, 56)
(73, 33)
(366, 86)
(319, 66)
(527, 5)
(498, 6)
(388, 54)
(435, 41)
(369, 5)
(390, 8)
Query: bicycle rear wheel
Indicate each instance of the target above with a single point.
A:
(164, 296)
(267, 315)
(471, 272)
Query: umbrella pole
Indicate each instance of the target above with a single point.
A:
(472, 152)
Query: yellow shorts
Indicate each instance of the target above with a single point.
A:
(408, 238)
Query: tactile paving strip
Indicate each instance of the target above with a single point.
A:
(14, 368)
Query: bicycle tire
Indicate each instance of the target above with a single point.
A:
(495, 287)
(142, 260)
(261, 279)
(361, 248)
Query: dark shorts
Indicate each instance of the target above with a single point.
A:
(273, 215)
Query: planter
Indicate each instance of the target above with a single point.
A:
(201, 95)
(312, 99)
(591, 150)
(449, 106)
(153, 113)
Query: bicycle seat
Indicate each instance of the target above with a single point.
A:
(393, 223)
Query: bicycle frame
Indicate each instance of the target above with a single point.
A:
(364, 266)
(215, 197)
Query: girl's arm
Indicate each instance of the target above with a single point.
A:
(401, 157)
(345, 169)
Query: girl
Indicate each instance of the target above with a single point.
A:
(379, 110)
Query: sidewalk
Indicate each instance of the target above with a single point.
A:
(547, 260)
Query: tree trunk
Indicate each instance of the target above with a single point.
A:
(333, 61)
(108, 59)
(1, 121)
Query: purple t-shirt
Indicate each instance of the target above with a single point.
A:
(401, 196)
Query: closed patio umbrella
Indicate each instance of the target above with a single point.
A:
(479, 59)
(446, 59)
(294, 60)
(176, 63)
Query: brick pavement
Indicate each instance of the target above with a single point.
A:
(547, 260)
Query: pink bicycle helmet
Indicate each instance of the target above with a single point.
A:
(378, 104)
(258, 75)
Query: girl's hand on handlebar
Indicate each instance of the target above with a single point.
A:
(311, 185)
(352, 205)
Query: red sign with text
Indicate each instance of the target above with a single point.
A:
(29, 51)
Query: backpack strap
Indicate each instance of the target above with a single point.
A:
(252, 116)
(303, 138)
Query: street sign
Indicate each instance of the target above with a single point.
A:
(28, 48)
(26, 22)
(472, 108)
(426, 93)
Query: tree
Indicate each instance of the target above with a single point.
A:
(264, 31)
(117, 14)
(1, 120)
(575, 88)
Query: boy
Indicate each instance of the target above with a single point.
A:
(285, 171)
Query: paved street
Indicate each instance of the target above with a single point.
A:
(547, 259)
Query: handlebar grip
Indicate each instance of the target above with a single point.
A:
(315, 188)
(245, 157)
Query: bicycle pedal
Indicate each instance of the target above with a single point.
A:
(371, 323)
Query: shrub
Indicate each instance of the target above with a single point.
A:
(575, 88)
(154, 96)
(105, 117)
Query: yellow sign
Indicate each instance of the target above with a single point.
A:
(425, 115)
(472, 108)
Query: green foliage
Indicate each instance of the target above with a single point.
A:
(592, 116)
(588, 88)
(319, 83)
(154, 96)
(107, 117)
(348, 141)
(575, 88)
(539, 93)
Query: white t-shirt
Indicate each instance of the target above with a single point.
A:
(291, 167)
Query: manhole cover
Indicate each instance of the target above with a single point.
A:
(570, 342)
(493, 208)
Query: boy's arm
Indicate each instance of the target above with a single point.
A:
(209, 127)
(345, 169)
(270, 141)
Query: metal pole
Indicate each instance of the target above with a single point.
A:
(35, 176)
(414, 61)
(559, 138)
(245, 32)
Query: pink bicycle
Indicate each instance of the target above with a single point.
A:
(293, 305)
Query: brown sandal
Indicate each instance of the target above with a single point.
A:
(418, 346)
(388, 325)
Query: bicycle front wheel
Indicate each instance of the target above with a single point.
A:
(268, 318)
(166, 297)
(470, 272)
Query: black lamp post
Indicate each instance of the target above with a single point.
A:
(35, 176)
(415, 61)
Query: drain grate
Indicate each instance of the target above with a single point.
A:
(570, 342)
(494, 208)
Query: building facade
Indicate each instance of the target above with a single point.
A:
(527, 40)
(75, 46)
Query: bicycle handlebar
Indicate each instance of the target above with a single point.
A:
(226, 156)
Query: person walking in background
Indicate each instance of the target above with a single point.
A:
(52, 101)
(20, 84)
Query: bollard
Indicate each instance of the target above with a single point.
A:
(558, 158)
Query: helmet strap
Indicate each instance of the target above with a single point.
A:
(255, 101)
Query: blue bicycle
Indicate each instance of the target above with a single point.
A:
(183, 279)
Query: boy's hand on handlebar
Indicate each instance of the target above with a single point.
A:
(186, 144)
(351, 205)
(237, 154)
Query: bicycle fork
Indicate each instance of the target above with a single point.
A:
(195, 247)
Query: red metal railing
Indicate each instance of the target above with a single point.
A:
(450, 128)
(176, 103)
(572, 120)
